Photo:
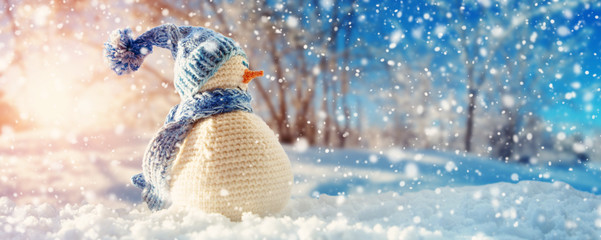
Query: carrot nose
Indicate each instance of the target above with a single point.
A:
(249, 75)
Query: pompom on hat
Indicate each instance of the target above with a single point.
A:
(198, 53)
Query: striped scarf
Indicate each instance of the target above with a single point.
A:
(163, 148)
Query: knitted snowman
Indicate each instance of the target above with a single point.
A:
(212, 152)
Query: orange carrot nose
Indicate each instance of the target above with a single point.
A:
(249, 75)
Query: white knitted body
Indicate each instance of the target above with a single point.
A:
(231, 163)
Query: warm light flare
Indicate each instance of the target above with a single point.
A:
(57, 91)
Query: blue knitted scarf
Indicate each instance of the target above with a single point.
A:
(163, 148)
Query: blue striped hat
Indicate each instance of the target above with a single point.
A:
(198, 53)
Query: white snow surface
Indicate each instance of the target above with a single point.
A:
(526, 210)
(81, 190)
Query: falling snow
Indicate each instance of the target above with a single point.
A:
(402, 119)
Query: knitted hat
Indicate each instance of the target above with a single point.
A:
(198, 53)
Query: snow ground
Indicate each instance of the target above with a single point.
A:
(63, 188)
(527, 210)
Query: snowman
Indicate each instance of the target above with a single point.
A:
(212, 153)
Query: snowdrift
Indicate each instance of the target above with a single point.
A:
(81, 190)
(528, 210)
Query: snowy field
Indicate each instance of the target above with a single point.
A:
(77, 187)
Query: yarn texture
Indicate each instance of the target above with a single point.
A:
(231, 163)
(163, 147)
(212, 152)
(125, 55)
(230, 168)
(198, 52)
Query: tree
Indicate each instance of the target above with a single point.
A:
(496, 42)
